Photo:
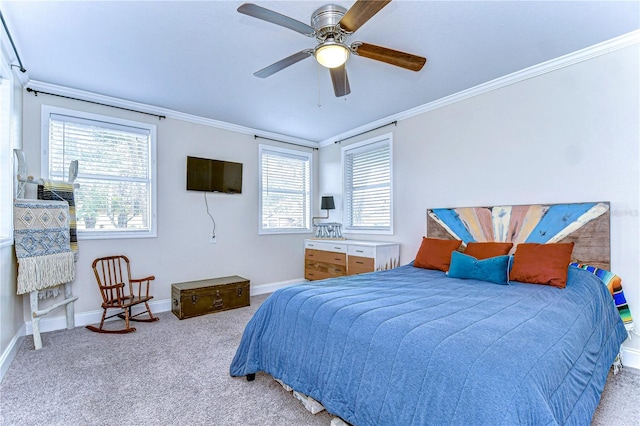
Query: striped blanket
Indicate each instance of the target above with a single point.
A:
(614, 284)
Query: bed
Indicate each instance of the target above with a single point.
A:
(414, 346)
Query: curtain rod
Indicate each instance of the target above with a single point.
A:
(367, 131)
(4, 24)
(290, 143)
(35, 92)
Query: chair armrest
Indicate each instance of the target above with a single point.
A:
(141, 282)
(137, 280)
(110, 287)
(109, 291)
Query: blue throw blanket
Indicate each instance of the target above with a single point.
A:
(413, 347)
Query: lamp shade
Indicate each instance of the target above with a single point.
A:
(327, 203)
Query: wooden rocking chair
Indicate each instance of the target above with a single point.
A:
(120, 291)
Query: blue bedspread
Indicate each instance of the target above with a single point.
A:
(412, 346)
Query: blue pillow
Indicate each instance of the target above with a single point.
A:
(493, 269)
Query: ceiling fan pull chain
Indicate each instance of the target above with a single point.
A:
(318, 67)
(346, 92)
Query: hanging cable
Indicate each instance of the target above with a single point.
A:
(319, 105)
(206, 203)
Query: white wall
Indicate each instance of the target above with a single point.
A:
(570, 135)
(11, 319)
(181, 252)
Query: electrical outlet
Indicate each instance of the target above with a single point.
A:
(212, 239)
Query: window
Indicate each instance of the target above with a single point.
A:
(285, 190)
(367, 177)
(116, 171)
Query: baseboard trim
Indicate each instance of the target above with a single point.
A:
(90, 317)
(631, 357)
(259, 289)
(164, 305)
(10, 353)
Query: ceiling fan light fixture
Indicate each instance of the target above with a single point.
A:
(331, 54)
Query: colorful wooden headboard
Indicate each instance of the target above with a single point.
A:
(585, 224)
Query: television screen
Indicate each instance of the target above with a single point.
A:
(214, 175)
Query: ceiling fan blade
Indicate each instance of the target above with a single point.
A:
(282, 64)
(390, 56)
(360, 13)
(340, 81)
(276, 18)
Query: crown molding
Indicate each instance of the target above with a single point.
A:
(582, 55)
(168, 113)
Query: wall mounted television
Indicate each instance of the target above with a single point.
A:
(204, 174)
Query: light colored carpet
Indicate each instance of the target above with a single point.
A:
(177, 373)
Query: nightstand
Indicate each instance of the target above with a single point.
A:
(328, 259)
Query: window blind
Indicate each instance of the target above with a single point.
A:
(285, 191)
(367, 181)
(114, 171)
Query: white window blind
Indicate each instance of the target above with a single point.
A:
(285, 190)
(115, 172)
(367, 186)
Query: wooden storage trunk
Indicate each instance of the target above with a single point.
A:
(193, 298)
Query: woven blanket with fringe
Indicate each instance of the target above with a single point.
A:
(41, 233)
(54, 190)
(614, 284)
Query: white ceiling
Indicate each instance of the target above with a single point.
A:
(199, 57)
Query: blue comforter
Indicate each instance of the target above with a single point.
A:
(412, 346)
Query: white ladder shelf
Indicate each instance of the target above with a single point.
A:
(69, 298)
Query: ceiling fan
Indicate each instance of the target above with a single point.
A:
(331, 25)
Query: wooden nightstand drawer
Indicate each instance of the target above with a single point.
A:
(326, 256)
(315, 270)
(313, 275)
(358, 265)
(332, 246)
(361, 251)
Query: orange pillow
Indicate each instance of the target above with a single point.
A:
(486, 250)
(542, 263)
(435, 253)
